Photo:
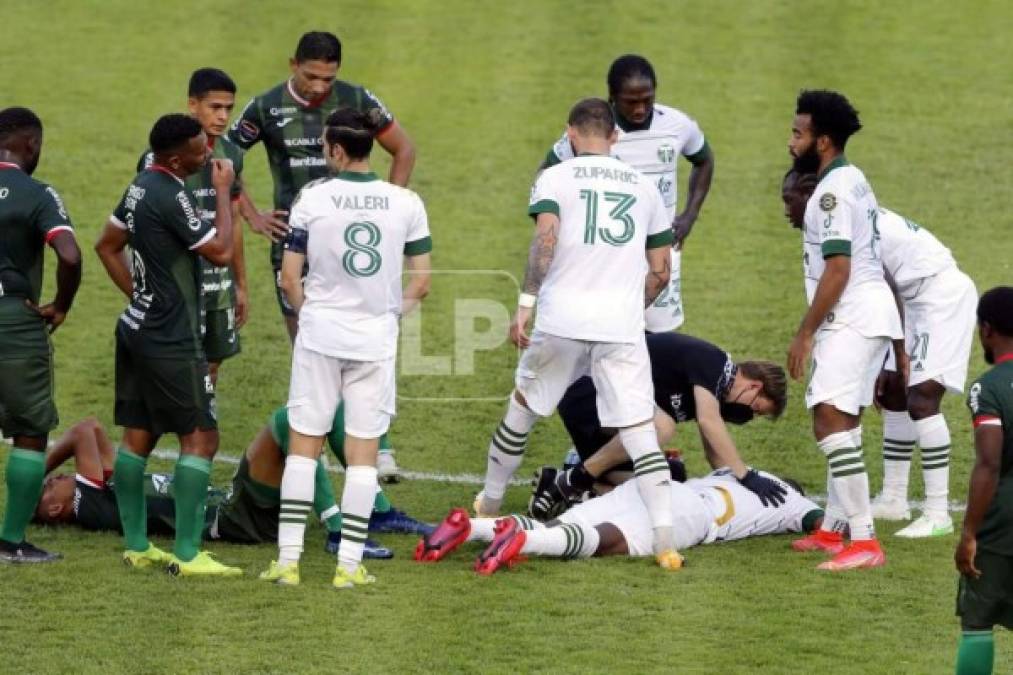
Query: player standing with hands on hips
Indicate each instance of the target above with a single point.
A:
(355, 232)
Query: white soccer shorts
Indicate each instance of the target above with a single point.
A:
(666, 312)
(624, 508)
(621, 373)
(845, 365)
(319, 383)
(939, 330)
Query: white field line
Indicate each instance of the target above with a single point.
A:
(475, 479)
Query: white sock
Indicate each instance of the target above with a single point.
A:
(296, 503)
(850, 482)
(356, 505)
(506, 451)
(934, 441)
(484, 529)
(834, 519)
(653, 477)
(567, 540)
(898, 443)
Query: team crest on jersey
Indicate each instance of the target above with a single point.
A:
(828, 202)
(666, 153)
(247, 130)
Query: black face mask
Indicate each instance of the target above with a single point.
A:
(736, 413)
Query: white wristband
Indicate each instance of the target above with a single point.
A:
(526, 300)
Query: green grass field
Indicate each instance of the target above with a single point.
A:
(483, 89)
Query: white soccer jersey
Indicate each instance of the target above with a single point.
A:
(910, 252)
(654, 151)
(840, 219)
(358, 229)
(609, 214)
(739, 513)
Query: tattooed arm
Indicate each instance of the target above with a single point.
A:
(543, 248)
(659, 268)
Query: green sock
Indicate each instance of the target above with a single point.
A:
(381, 504)
(128, 484)
(975, 653)
(323, 499)
(25, 471)
(190, 485)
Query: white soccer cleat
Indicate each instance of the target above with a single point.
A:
(885, 507)
(386, 467)
(485, 507)
(928, 525)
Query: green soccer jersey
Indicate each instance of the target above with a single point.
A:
(291, 129)
(165, 317)
(217, 284)
(991, 402)
(95, 505)
(31, 214)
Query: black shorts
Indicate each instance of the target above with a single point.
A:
(170, 395)
(987, 601)
(579, 411)
(26, 364)
(250, 514)
(221, 337)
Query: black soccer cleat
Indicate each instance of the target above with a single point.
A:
(546, 501)
(25, 554)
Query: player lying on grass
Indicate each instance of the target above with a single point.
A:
(938, 302)
(247, 513)
(714, 508)
(693, 380)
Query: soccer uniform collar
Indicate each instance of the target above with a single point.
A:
(838, 162)
(357, 176)
(10, 165)
(1003, 358)
(306, 103)
(161, 169)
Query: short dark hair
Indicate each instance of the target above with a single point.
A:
(996, 309)
(802, 180)
(354, 130)
(16, 120)
(172, 131)
(593, 116)
(830, 113)
(318, 46)
(772, 377)
(627, 67)
(206, 80)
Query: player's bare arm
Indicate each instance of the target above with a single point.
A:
(239, 269)
(68, 279)
(718, 443)
(396, 141)
(111, 250)
(88, 444)
(988, 441)
(291, 278)
(543, 249)
(419, 281)
(828, 293)
(700, 177)
(220, 248)
(659, 270)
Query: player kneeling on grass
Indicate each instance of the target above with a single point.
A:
(355, 232)
(704, 510)
(693, 380)
(984, 555)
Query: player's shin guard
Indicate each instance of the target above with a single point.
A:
(25, 471)
(568, 540)
(297, 487)
(850, 482)
(190, 487)
(356, 504)
(653, 478)
(484, 529)
(934, 441)
(976, 652)
(899, 437)
(506, 451)
(128, 484)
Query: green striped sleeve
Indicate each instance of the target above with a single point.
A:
(660, 239)
(419, 246)
(832, 247)
(543, 206)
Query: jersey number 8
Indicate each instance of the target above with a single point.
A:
(362, 259)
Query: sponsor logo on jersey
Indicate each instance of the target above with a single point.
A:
(666, 153)
(204, 192)
(134, 195)
(4, 192)
(828, 202)
(59, 202)
(287, 110)
(297, 162)
(193, 221)
(676, 402)
(282, 122)
(727, 376)
(247, 131)
(972, 397)
(302, 142)
(161, 483)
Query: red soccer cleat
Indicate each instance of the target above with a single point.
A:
(447, 536)
(861, 554)
(820, 540)
(505, 548)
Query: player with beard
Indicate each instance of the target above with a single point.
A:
(849, 325)
(651, 139)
